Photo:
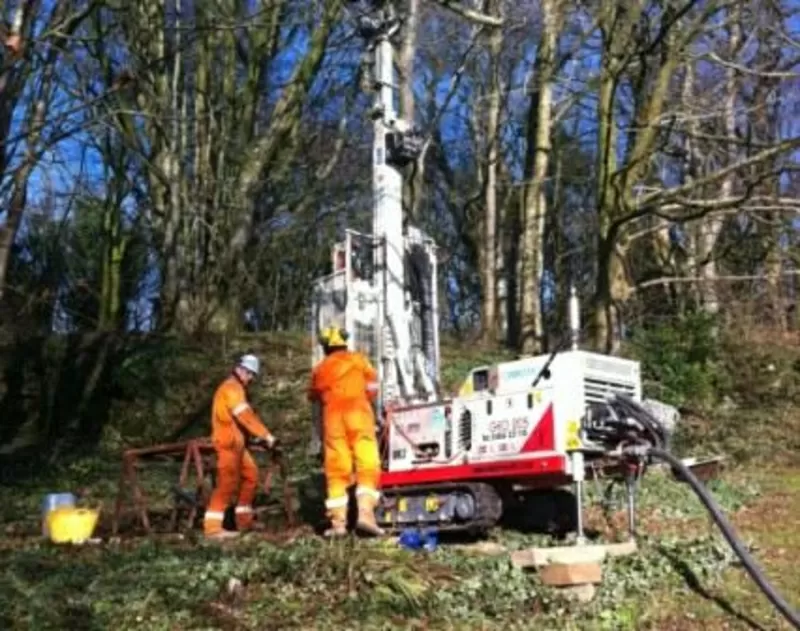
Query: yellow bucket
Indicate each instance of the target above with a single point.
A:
(71, 525)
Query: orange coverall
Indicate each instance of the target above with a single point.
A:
(236, 468)
(345, 383)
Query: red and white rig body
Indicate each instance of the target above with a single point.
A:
(499, 426)
(498, 436)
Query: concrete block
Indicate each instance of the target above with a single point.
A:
(577, 554)
(562, 574)
(529, 557)
(625, 548)
(538, 557)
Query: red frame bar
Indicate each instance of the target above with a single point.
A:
(527, 468)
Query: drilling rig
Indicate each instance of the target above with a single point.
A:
(457, 462)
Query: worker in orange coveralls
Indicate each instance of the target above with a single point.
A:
(345, 384)
(236, 469)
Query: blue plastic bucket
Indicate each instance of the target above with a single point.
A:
(51, 502)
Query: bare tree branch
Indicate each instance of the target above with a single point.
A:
(471, 14)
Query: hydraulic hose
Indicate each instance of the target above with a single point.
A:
(727, 530)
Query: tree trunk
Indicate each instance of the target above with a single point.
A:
(601, 324)
(537, 164)
(489, 221)
(273, 146)
(617, 198)
(114, 246)
(711, 225)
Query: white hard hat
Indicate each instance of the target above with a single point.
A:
(251, 363)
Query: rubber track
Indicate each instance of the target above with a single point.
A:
(488, 504)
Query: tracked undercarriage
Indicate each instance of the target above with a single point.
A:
(450, 507)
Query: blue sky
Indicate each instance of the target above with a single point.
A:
(62, 166)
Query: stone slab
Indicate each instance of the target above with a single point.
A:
(539, 557)
(594, 553)
(625, 548)
(562, 574)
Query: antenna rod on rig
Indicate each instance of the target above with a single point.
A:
(574, 318)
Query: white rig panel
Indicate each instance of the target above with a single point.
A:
(592, 376)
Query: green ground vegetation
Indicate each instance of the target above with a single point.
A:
(741, 402)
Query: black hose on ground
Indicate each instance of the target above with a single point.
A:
(727, 530)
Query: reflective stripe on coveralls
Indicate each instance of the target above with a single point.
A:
(336, 502)
(239, 409)
(363, 490)
(236, 468)
(345, 382)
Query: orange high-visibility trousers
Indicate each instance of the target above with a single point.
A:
(237, 474)
(349, 442)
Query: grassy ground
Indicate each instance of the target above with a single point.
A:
(769, 524)
(683, 577)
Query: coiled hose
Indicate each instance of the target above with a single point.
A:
(727, 530)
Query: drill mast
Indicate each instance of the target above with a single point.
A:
(390, 310)
(405, 375)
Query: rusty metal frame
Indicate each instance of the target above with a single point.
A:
(196, 455)
(278, 463)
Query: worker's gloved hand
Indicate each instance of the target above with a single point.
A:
(271, 443)
(260, 441)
